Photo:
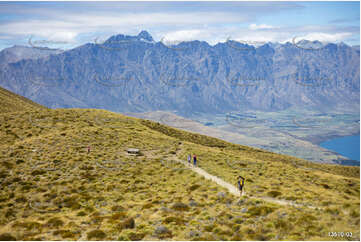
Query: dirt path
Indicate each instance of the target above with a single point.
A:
(233, 190)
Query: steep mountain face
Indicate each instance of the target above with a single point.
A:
(356, 47)
(17, 53)
(137, 74)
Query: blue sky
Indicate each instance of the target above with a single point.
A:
(77, 23)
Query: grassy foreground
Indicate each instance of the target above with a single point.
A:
(53, 189)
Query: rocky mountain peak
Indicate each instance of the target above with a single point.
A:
(145, 35)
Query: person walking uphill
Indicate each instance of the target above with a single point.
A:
(189, 158)
(194, 160)
(240, 183)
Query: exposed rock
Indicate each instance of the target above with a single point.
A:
(162, 232)
(221, 194)
(194, 234)
(193, 203)
(244, 210)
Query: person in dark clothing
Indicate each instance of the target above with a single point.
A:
(194, 160)
(88, 149)
(240, 183)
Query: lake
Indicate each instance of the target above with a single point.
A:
(348, 146)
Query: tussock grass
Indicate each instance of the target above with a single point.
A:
(45, 163)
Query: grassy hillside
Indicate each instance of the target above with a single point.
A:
(11, 102)
(53, 189)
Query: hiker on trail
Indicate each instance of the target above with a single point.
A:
(189, 158)
(240, 184)
(194, 160)
(88, 149)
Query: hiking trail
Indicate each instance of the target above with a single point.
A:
(232, 189)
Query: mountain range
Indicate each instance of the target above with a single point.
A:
(137, 74)
(18, 52)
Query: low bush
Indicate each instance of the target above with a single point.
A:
(96, 234)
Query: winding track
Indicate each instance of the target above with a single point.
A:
(233, 190)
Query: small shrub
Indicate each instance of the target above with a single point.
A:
(123, 238)
(274, 193)
(97, 234)
(306, 219)
(348, 191)
(346, 205)
(249, 232)
(89, 209)
(193, 234)
(54, 223)
(29, 226)
(292, 198)
(65, 234)
(355, 214)
(136, 236)
(7, 237)
(128, 223)
(71, 202)
(325, 186)
(261, 237)
(16, 179)
(20, 199)
(237, 237)
(281, 224)
(97, 219)
(147, 205)
(236, 227)
(193, 187)
(333, 211)
(180, 206)
(177, 220)
(38, 172)
(4, 174)
(326, 203)
(117, 216)
(26, 187)
(238, 220)
(208, 228)
(260, 210)
(10, 213)
(81, 213)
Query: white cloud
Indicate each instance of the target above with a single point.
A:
(66, 36)
(261, 26)
(77, 24)
(184, 35)
(213, 27)
(324, 37)
(216, 34)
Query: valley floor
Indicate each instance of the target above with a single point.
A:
(292, 132)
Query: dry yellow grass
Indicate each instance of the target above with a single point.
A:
(11, 102)
(52, 189)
